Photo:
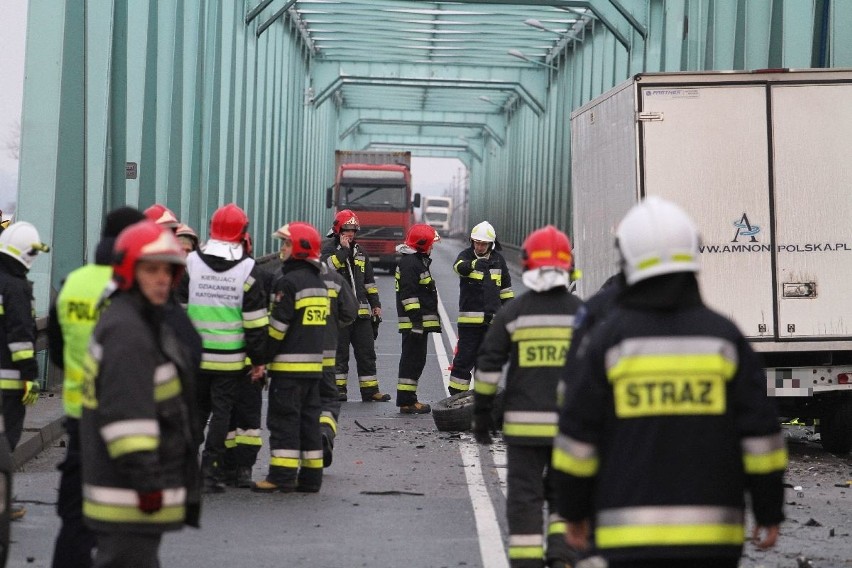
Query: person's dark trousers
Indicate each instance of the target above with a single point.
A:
(128, 550)
(360, 336)
(529, 487)
(75, 542)
(412, 361)
(14, 412)
(470, 338)
(245, 421)
(294, 433)
(217, 393)
(330, 412)
(329, 401)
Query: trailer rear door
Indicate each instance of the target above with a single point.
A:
(705, 147)
(812, 158)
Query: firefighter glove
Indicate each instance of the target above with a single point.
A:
(31, 390)
(482, 426)
(151, 501)
(417, 330)
(376, 320)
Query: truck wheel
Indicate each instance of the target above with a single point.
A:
(836, 427)
(454, 413)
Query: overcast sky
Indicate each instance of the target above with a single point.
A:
(13, 30)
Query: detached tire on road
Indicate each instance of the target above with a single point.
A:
(836, 427)
(455, 413)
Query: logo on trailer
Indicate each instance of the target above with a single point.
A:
(745, 229)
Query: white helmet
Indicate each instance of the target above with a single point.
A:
(657, 237)
(483, 232)
(21, 241)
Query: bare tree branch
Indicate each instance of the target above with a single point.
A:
(13, 143)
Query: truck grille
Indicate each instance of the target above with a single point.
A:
(380, 233)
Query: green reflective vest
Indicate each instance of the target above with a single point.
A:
(77, 311)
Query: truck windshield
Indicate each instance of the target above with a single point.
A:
(374, 197)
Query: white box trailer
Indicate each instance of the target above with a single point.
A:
(763, 162)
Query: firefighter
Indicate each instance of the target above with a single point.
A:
(224, 297)
(343, 254)
(667, 424)
(343, 310)
(187, 238)
(297, 325)
(19, 374)
(72, 318)
(484, 285)
(138, 434)
(417, 308)
(163, 216)
(532, 334)
(593, 310)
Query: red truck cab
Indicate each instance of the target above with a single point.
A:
(379, 191)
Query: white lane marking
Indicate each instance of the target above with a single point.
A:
(443, 359)
(491, 547)
(490, 540)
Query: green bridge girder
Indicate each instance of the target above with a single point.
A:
(195, 103)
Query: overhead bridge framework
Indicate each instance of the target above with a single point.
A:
(194, 103)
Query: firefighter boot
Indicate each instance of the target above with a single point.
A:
(266, 486)
(416, 408)
(212, 474)
(17, 512)
(243, 477)
(375, 397)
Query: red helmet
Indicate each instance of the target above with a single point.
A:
(229, 223)
(547, 246)
(305, 239)
(344, 220)
(144, 240)
(162, 215)
(421, 237)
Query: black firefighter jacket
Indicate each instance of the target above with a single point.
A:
(297, 321)
(416, 294)
(17, 327)
(533, 333)
(666, 422)
(355, 267)
(484, 286)
(139, 432)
